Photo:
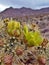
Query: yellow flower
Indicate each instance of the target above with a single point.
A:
(13, 26)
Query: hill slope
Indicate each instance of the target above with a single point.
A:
(13, 12)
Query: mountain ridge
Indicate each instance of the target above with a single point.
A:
(14, 12)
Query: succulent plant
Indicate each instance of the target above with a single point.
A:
(13, 28)
(33, 38)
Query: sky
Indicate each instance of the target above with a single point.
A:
(34, 4)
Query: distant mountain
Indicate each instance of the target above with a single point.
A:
(14, 12)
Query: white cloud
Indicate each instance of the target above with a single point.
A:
(2, 7)
(34, 4)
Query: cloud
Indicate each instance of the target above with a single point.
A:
(34, 4)
(2, 7)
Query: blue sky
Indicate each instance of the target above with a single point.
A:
(34, 4)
